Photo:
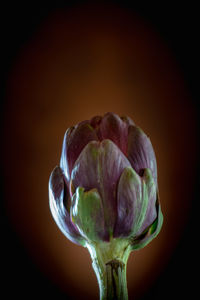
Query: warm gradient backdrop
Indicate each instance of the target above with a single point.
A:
(81, 62)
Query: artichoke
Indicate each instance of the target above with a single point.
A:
(104, 195)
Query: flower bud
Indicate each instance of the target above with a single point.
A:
(106, 185)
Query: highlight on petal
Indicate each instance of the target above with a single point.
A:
(64, 164)
(129, 202)
(140, 152)
(100, 166)
(58, 194)
(75, 140)
(136, 206)
(87, 213)
(150, 189)
(151, 232)
(112, 127)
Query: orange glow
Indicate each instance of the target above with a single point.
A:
(79, 64)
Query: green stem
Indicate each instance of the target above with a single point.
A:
(114, 285)
(109, 263)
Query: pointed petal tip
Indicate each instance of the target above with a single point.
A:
(114, 128)
(147, 176)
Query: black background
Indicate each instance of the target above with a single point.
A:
(178, 24)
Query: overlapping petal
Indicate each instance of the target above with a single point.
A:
(150, 232)
(129, 202)
(99, 166)
(140, 152)
(136, 203)
(95, 122)
(87, 213)
(150, 192)
(58, 193)
(112, 127)
(75, 139)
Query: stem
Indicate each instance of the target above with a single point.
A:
(116, 286)
(109, 263)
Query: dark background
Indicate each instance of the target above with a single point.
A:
(179, 26)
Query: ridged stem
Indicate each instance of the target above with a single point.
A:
(109, 263)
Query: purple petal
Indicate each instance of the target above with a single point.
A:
(140, 152)
(100, 165)
(129, 202)
(58, 193)
(114, 129)
(75, 140)
(128, 120)
(95, 121)
(136, 203)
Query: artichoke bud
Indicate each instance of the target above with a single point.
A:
(104, 195)
(106, 185)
